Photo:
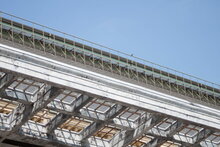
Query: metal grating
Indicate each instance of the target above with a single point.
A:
(73, 130)
(107, 132)
(75, 124)
(165, 127)
(67, 101)
(52, 124)
(170, 144)
(131, 117)
(60, 116)
(211, 141)
(24, 89)
(7, 106)
(44, 116)
(25, 85)
(67, 97)
(190, 134)
(100, 109)
(142, 141)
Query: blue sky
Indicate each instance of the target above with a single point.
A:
(181, 34)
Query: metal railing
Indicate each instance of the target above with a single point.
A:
(58, 43)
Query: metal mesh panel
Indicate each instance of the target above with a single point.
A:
(107, 132)
(211, 141)
(68, 100)
(7, 106)
(142, 141)
(100, 109)
(44, 116)
(190, 134)
(24, 89)
(165, 127)
(25, 85)
(75, 124)
(170, 144)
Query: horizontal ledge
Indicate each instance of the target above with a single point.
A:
(49, 70)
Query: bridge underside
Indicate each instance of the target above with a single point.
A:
(59, 92)
(44, 102)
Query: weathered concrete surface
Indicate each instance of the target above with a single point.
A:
(66, 75)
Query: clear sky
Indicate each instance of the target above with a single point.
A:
(181, 34)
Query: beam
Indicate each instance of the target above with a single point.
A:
(5, 81)
(144, 131)
(100, 124)
(103, 86)
(30, 110)
(206, 134)
(67, 116)
(170, 136)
